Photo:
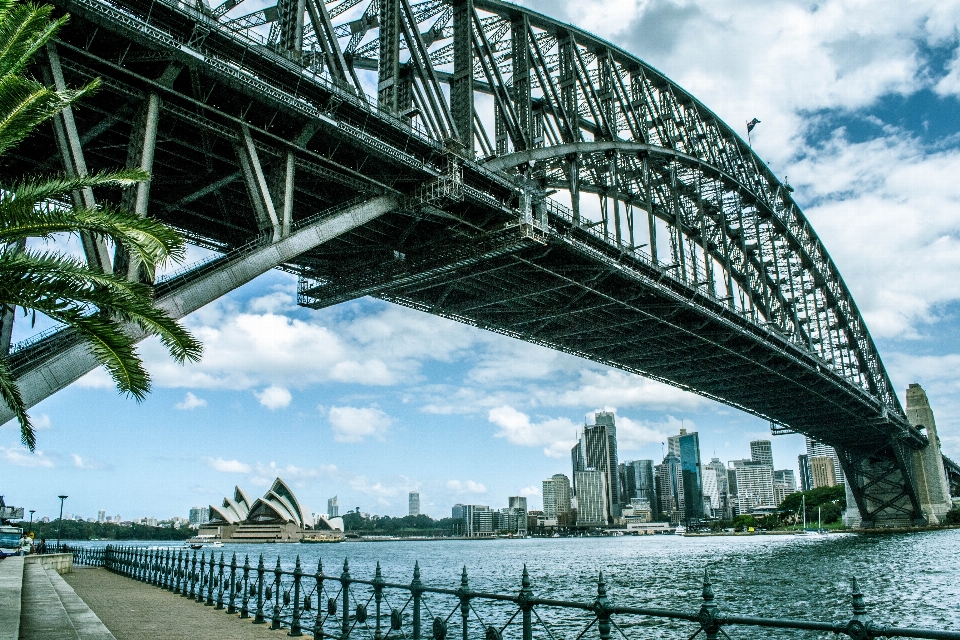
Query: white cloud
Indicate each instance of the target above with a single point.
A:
(23, 458)
(87, 463)
(353, 424)
(621, 389)
(531, 491)
(468, 486)
(227, 466)
(950, 83)
(637, 434)
(190, 402)
(556, 435)
(274, 397)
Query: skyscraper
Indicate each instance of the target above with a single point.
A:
(592, 497)
(815, 449)
(754, 486)
(637, 484)
(556, 496)
(822, 469)
(477, 520)
(333, 508)
(670, 488)
(723, 488)
(689, 445)
(784, 484)
(413, 503)
(806, 474)
(761, 452)
(597, 449)
(101, 516)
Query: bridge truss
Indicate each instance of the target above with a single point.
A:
(527, 178)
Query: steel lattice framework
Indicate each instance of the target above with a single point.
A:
(680, 257)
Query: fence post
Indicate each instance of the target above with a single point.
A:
(860, 624)
(345, 584)
(464, 594)
(708, 610)
(232, 605)
(318, 619)
(378, 583)
(193, 577)
(177, 570)
(213, 566)
(258, 615)
(202, 576)
(523, 600)
(277, 572)
(245, 601)
(295, 623)
(219, 606)
(600, 607)
(416, 589)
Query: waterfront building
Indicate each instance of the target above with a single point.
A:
(477, 520)
(556, 497)
(413, 503)
(761, 452)
(597, 449)
(511, 520)
(711, 492)
(824, 471)
(276, 517)
(457, 512)
(754, 486)
(784, 483)
(670, 488)
(725, 511)
(818, 449)
(517, 502)
(806, 474)
(637, 482)
(333, 507)
(592, 498)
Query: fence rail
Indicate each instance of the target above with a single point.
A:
(339, 606)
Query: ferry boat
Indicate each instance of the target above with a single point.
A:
(681, 530)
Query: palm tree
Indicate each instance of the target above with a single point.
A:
(104, 309)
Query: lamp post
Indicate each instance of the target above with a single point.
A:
(60, 521)
(31, 519)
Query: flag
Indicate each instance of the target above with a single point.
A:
(752, 124)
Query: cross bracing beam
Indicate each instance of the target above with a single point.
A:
(48, 366)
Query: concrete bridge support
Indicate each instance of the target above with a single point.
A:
(931, 478)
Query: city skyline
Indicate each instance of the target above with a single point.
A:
(343, 395)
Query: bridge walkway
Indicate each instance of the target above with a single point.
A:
(133, 610)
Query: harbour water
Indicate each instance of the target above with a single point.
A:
(908, 579)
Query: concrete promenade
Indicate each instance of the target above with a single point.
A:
(133, 610)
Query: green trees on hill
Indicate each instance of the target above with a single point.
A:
(77, 530)
(830, 500)
(407, 525)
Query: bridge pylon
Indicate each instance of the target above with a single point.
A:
(907, 488)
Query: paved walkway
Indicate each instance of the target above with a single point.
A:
(133, 610)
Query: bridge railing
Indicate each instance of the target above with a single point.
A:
(342, 606)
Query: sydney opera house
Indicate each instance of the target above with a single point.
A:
(276, 517)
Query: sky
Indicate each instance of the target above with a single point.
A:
(859, 104)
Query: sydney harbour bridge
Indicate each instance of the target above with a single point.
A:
(511, 172)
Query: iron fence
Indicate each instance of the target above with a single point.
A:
(343, 607)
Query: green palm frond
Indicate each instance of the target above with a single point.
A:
(10, 393)
(25, 103)
(23, 31)
(20, 198)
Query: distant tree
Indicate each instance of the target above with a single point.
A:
(952, 517)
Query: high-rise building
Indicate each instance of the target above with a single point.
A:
(457, 512)
(823, 470)
(806, 475)
(597, 449)
(711, 491)
(477, 520)
(511, 520)
(637, 483)
(333, 507)
(198, 516)
(725, 511)
(784, 483)
(101, 516)
(413, 502)
(754, 486)
(517, 502)
(592, 498)
(815, 449)
(556, 496)
(690, 474)
(761, 452)
(670, 488)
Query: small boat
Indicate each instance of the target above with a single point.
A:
(201, 541)
(681, 530)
